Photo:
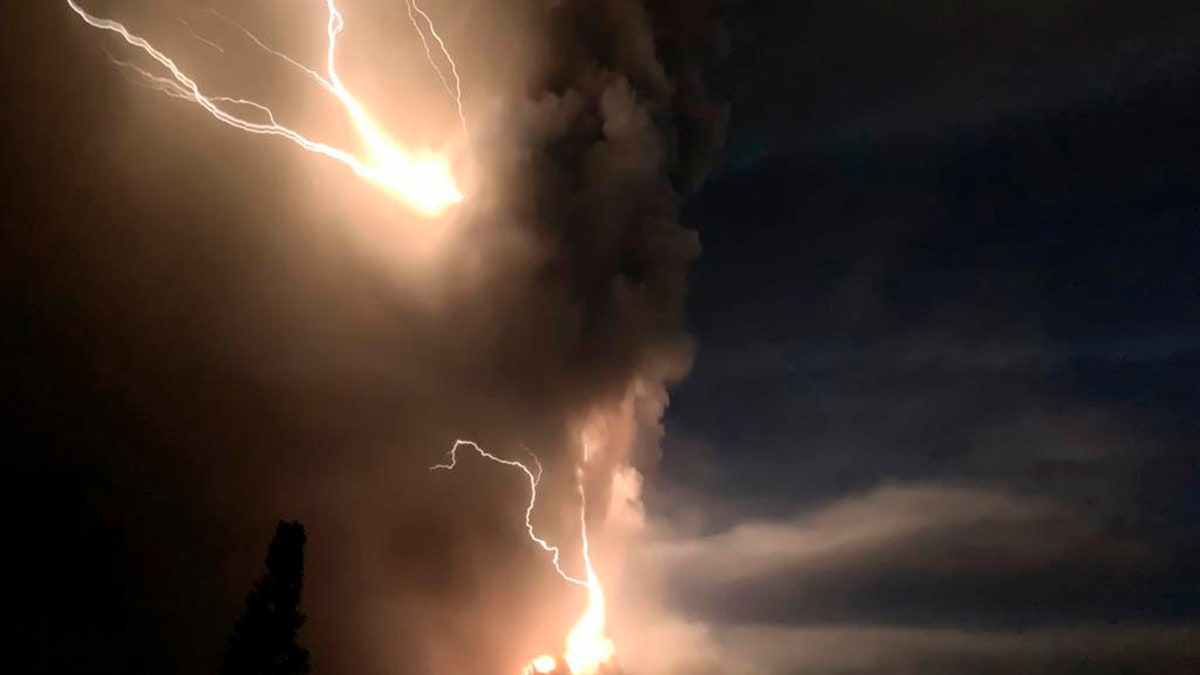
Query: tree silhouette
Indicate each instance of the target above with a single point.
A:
(264, 637)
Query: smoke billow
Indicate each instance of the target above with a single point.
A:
(256, 368)
(570, 331)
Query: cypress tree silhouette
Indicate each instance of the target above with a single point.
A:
(264, 637)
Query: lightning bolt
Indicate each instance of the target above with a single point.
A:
(587, 646)
(325, 84)
(534, 478)
(456, 92)
(421, 180)
(200, 37)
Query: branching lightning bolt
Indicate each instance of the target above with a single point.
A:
(172, 88)
(535, 478)
(587, 645)
(200, 37)
(428, 53)
(421, 180)
(325, 84)
(456, 92)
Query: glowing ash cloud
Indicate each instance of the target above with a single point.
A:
(422, 180)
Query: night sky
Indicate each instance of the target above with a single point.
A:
(943, 416)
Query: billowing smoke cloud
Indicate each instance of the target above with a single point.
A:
(259, 369)
(572, 324)
(592, 168)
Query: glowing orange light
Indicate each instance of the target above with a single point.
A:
(420, 179)
(544, 664)
(587, 644)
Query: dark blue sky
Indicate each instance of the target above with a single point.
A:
(1048, 244)
(955, 245)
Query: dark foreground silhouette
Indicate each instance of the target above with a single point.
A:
(264, 637)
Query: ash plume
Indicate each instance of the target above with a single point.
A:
(579, 320)
(256, 363)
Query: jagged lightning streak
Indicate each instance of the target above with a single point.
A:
(428, 53)
(172, 88)
(200, 37)
(587, 646)
(456, 92)
(423, 181)
(534, 479)
(325, 84)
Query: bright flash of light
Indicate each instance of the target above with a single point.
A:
(422, 180)
(588, 647)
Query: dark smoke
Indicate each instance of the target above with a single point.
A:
(188, 373)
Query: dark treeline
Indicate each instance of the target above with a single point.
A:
(264, 637)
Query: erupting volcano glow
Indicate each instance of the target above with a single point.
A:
(587, 645)
(421, 180)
